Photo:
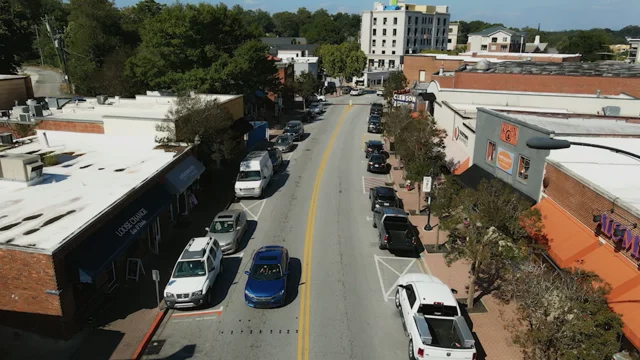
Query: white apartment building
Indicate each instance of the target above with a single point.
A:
(390, 31)
(453, 36)
(496, 39)
(633, 57)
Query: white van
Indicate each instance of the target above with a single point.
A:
(255, 174)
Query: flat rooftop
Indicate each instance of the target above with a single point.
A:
(10, 77)
(563, 68)
(522, 55)
(98, 171)
(614, 173)
(154, 107)
(579, 124)
(459, 57)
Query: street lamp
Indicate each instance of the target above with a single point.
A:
(543, 143)
(428, 226)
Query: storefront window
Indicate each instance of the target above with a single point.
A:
(491, 152)
(523, 168)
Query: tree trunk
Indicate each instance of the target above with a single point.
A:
(418, 203)
(438, 235)
(472, 291)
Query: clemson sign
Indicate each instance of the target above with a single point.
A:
(505, 161)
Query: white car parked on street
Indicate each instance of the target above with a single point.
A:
(356, 92)
(194, 274)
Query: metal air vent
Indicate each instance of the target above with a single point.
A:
(6, 139)
(611, 110)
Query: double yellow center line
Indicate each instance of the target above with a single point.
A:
(305, 309)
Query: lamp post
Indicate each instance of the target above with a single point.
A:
(543, 143)
(428, 226)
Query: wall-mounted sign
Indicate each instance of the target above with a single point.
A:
(134, 224)
(627, 241)
(505, 161)
(509, 133)
(462, 137)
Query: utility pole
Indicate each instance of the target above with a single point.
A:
(39, 46)
(58, 44)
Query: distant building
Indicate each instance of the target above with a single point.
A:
(287, 47)
(633, 57)
(14, 88)
(496, 39)
(536, 46)
(388, 32)
(452, 42)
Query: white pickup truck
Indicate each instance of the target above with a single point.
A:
(432, 319)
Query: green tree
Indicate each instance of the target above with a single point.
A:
(563, 315)
(396, 81)
(344, 61)
(322, 29)
(588, 43)
(15, 36)
(420, 145)
(133, 17)
(306, 85)
(57, 13)
(394, 121)
(202, 120)
(286, 24)
(489, 227)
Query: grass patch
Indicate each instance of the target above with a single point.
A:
(50, 160)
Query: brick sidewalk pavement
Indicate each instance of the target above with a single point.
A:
(494, 340)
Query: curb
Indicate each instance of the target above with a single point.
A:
(157, 321)
(149, 335)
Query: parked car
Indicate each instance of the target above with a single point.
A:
(383, 196)
(374, 126)
(395, 231)
(266, 286)
(295, 128)
(432, 320)
(378, 164)
(316, 108)
(193, 276)
(254, 175)
(376, 109)
(374, 147)
(318, 97)
(228, 227)
(346, 90)
(276, 157)
(284, 142)
(356, 92)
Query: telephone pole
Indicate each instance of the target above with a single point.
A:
(58, 44)
(39, 46)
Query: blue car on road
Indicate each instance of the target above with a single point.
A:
(267, 283)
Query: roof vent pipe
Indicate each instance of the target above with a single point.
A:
(598, 93)
(46, 139)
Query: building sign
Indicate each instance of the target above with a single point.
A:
(509, 134)
(627, 241)
(134, 224)
(505, 161)
(458, 135)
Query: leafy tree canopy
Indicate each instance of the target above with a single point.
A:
(343, 61)
(395, 81)
(307, 85)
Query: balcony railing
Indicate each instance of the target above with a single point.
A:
(383, 68)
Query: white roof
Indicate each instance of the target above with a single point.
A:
(524, 55)
(142, 107)
(576, 125)
(461, 57)
(613, 173)
(68, 187)
(9, 77)
(199, 243)
(471, 110)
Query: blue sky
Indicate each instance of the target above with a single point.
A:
(552, 14)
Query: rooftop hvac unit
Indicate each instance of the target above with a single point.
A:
(36, 110)
(611, 110)
(21, 110)
(6, 139)
(102, 99)
(24, 117)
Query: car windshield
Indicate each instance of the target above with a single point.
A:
(221, 226)
(249, 175)
(191, 268)
(266, 271)
(374, 122)
(282, 140)
(375, 147)
(377, 158)
(386, 197)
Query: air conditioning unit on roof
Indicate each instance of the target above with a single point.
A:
(24, 117)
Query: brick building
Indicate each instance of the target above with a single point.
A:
(535, 57)
(587, 196)
(569, 77)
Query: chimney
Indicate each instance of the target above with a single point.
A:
(441, 71)
(537, 40)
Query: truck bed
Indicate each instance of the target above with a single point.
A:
(398, 240)
(443, 332)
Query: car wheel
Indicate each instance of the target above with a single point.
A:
(374, 225)
(397, 300)
(411, 353)
(380, 246)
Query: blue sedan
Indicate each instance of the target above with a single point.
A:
(267, 283)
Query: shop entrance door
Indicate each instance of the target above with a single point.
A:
(154, 236)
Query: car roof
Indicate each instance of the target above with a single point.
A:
(375, 157)
(227, 214)
(197, 248)
(393, 211)
(385, 190)
(374, 142)
(269, 255)
(376, 105)
(294, 122)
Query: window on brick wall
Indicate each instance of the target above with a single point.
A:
(523, 168)
(483, 47)
(491, 152)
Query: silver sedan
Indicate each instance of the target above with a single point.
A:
(228, 227)
(284, 142)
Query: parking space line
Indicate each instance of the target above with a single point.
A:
(247, 209)
(260, 211)
(392, 269)
(196, 313)
(403, 273)
(384, 296)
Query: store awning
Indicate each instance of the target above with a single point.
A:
(183, 175)
(110, 240)
(572, 244)
(473, 176)
(241, 126)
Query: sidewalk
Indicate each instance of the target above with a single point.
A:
(493, 340)
(123, 326)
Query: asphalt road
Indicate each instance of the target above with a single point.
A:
(45, 82)
(342, 305)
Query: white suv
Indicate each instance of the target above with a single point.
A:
(192, 280)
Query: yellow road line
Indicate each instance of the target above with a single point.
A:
(305, 309)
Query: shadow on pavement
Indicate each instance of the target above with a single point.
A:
(278, 181)
(223, 283)
(99, 346)
(187, 352)
(252, 225)
(293, 282)
(482, 354)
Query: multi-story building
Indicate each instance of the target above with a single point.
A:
(452, 42)
(633, 51)
(390, 31)
(496, 39)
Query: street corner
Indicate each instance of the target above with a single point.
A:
(253, 208)
(390, 269)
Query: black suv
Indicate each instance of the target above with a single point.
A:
(374, 147)
(378, 164)
(376, 109)
(374, 125)
(383, 196)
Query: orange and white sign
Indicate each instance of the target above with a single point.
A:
(505, 161)
(509, 133)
